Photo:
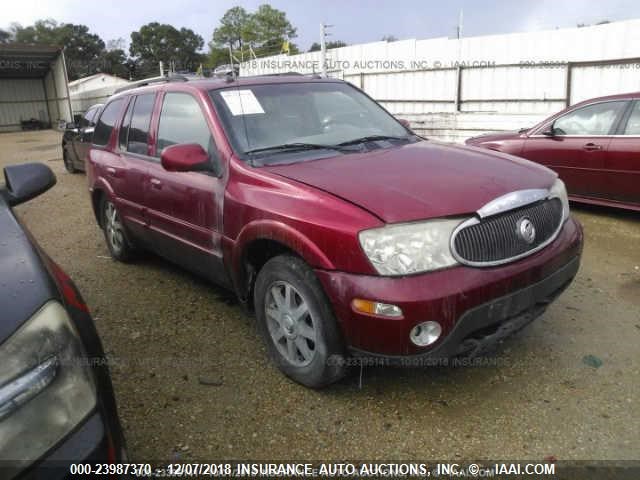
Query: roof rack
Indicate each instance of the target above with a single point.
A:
(148, 81)
(232, 78)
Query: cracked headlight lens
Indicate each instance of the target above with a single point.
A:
(409, 248)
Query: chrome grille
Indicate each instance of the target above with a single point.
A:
(495, 239)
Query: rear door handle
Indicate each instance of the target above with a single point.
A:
(156, 183)
(592, 146)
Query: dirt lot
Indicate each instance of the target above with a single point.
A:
(192, 380)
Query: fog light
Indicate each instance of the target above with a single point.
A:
(376, 308)
(425, 333)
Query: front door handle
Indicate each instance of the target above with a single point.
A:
(155, 183)
(592, 146)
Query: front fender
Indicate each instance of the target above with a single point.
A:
(284, 234)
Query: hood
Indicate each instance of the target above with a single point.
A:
(494, 137)
(25, 285)
(420, 180)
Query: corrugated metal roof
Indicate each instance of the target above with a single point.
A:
(26, 61)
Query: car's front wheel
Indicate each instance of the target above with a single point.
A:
(114, 233)
(297, 323)
(68, 161)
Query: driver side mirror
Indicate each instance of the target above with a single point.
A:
(26, 181)
(405, 123)
(187, 157)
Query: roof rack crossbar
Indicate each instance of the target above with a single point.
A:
(149, 81)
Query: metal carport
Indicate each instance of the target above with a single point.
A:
(33, 86)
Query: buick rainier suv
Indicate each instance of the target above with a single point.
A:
(348, 235)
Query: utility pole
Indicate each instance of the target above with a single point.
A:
(459, 29)
(323, 48)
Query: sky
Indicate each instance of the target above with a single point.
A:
(354, 21)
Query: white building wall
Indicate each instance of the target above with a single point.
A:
(95, 89)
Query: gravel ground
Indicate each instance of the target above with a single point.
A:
(193, 383)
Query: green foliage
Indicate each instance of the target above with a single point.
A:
(82, 49)
(114, 62)
(156, 42)
(315, 46)
(265, 31)
(233, 28)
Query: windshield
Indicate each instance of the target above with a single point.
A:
(277, 119)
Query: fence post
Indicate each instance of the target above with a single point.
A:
(567, 100)
(458, 88)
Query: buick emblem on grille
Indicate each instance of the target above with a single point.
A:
(525, 230)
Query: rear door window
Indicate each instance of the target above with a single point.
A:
(138, 137)
(124, 128)
(106, 122)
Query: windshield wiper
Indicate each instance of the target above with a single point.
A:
(299, 146)
(371, 138)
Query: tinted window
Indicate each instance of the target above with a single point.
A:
(182, 121)
(140, 121)
(124, 128)
(596, 119)
(106, 123)
(633, 124)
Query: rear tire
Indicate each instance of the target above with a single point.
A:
(68, 162)
(119, 245)
(297, 324)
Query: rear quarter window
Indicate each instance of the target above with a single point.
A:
(106, 122)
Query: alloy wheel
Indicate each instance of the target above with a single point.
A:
(290, 323)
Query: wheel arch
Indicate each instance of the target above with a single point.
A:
(261, 241)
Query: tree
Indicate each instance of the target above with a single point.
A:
(5, 36)
(270, 28)
(114, 62)
(82, 49)
(232, 29)
(265, 31)
(155, 43)
(315, 46)
(389, 38)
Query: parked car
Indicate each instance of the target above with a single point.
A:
(593, 145)
(76, 139)
(346, 233)
(56, 400)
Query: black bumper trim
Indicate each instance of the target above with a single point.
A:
(502, 317)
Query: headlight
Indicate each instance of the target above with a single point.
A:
(559, 190)
(410, 247)
(46, 385)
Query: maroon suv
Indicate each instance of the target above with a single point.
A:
(346, 233)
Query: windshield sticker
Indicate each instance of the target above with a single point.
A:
(242, 102)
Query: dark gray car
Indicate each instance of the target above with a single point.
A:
(77, 139)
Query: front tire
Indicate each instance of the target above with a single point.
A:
(68, 161)
(297, 324)
(114, 232)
